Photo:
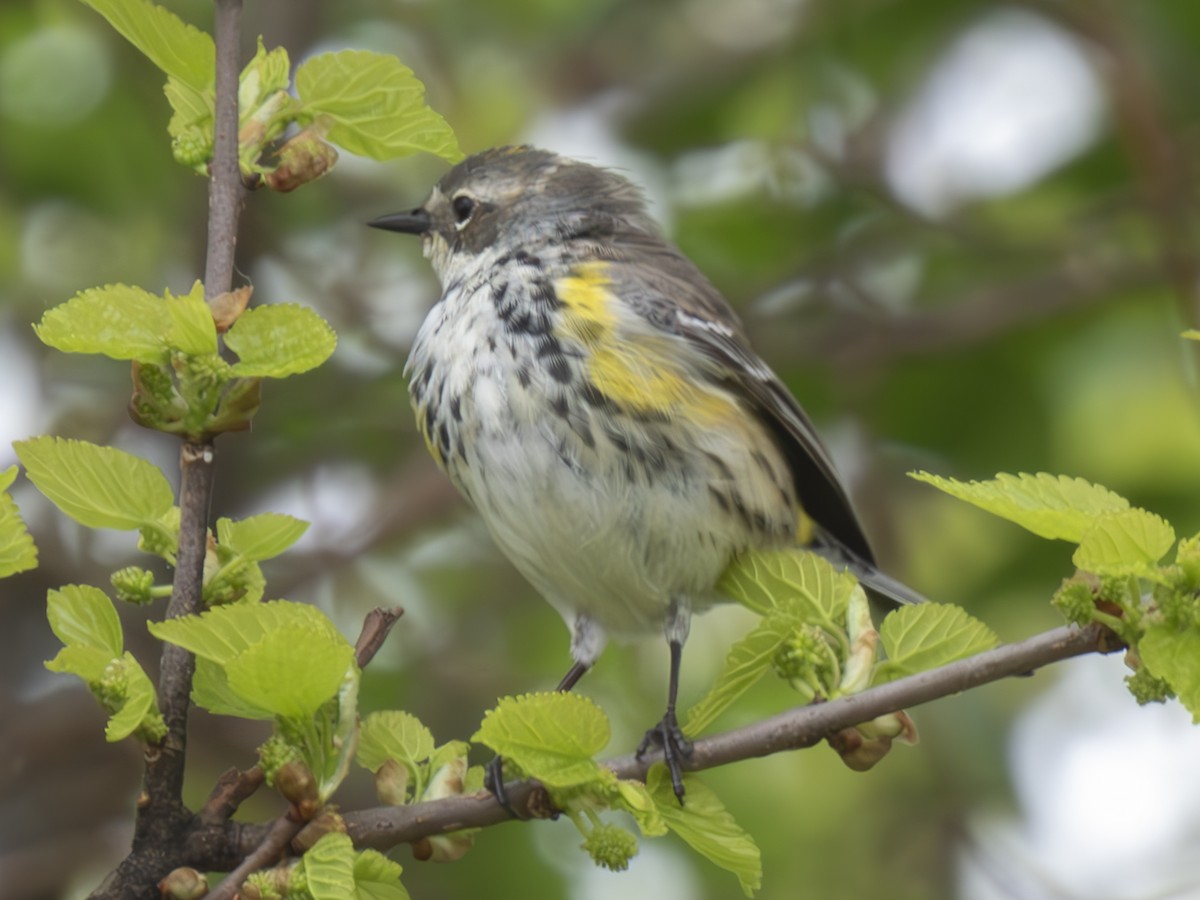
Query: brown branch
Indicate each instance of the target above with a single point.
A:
(225, 189)
(386, 827)
(164, 825)
(266, 854)
(231, 791)
(376, 627)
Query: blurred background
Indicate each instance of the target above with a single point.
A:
(963, 232)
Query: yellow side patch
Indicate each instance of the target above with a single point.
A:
(429, 443)
(637, 371)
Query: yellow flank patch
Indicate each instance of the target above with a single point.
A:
(432, 447)
(637, 371)
(805, 529)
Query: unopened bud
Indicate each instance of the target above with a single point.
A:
(183, 884)
(304, 158)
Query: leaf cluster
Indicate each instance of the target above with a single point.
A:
(1121, 579)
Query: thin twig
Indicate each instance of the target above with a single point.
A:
(226, 191)
(266, 854)
(376, 627)
(231, 790)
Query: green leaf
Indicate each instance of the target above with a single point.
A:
(260, 537)
(211, 691)
(291, 671)
(707, 827)
(1174, 656)
(1051, 506)
(393, 734)
(192, 109)
(796, 582)
(88, 663)
(223, 633)
(745, 663)
(17, 550)
(374, 104)
(634, 797)
(550, 736)
(279, 340)
(329, 868)
(83, 616)
(117, 321)
(139, 711)
(924, 636)
(378, 878)
(99, 487)
(1128, 542)
(179, 49)
(192, 330)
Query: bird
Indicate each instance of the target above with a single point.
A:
(596, 399)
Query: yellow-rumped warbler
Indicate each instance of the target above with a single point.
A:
(590, 392)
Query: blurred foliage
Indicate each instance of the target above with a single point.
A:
(1030, 328)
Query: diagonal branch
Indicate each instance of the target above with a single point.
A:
(385, 827)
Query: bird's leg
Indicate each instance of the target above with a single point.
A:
(493, 776)
(667, 734)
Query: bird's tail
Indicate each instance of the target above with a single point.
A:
(891, 591)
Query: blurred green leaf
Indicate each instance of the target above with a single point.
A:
(260, 537)
(223, 633)
(551, 736)
(393, 734)
(83, 616)
(1051, 506)
(793, 582)
(192, 330)
(17, 550)
(923, 636)
(707, 827)
(99, 487)
(137, 710)
(747, 661)
(117, 320)
(1128, 542)
(279, 340)
(291, 671)
(179, 49)
(375, 105)
(1174, 656)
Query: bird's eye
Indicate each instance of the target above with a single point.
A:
(464, 208)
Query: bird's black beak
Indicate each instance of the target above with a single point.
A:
(416, 222)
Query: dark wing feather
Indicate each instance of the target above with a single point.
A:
(698, 313)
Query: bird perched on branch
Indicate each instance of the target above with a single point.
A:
(595, 398)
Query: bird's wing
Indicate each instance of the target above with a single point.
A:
(672, 294)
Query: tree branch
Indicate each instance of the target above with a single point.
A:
(225, 189)
(385, 827)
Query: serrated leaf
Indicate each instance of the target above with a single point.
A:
(17, 550)
(393, 734)
(179, 49)
(139, 712)
(190, 108)
(1128, 542)
(707, 827)
(378, 878)
(222, 633)
(117, 321)
(260, 537)
(746, 662)
(551, 736)
(374, 104)
(192, 329)
(279, 340)
(211, 691)
(1174, 656)
(924, 636)
(329, 868)
(291, 671)
(265, 74)
(87, 663)
(795, 582)
(635, 799)
(99, 487)
(1051, 506)
(83, 616)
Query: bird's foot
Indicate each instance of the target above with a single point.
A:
(493, 780)
(675, 747)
